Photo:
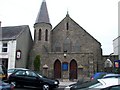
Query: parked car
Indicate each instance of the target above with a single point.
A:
(12, 70)
(114, 87)
(6, 86)
(98, 75)
(111, 75)
(32, 79)
(3, 73)
(97, 84)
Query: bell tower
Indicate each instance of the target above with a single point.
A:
(42, 28)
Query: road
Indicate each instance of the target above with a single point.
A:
(35, 88)
(61, 86)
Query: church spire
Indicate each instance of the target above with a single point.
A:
(43, 14)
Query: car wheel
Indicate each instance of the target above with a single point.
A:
(45, 87)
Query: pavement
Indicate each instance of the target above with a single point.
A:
(66, 83)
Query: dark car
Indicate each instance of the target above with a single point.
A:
(3, 73)
(98, 75)
(6, 86)
(32, 79)
(82, 85)
(96, 84)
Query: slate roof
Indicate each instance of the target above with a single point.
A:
(43, 14)
(12, 32)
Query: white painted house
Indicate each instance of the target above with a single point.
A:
(116, 46)
(15, 45)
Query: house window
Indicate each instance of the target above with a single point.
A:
(4, 47)
(39, 36)
(46, 35)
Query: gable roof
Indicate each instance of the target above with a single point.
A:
(12, 32)
(67, 16)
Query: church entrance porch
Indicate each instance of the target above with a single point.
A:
(65, 70)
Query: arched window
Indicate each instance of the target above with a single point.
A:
(46, 35)
(67, 25)
(57, 47)
(67, 45)
(76, 47)
(39, 36)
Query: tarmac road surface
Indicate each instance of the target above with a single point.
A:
(61, 86)
(26, 88)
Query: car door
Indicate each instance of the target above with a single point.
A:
(32, 79)
(19, 77)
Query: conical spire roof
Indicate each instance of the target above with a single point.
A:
(43, 14)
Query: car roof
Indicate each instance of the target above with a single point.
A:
(112, 74)
(18, 68)
(109, 81)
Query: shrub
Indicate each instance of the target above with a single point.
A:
(37, 63)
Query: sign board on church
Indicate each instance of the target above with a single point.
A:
(117, 63)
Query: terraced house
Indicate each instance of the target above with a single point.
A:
(67, 51)
(15, 45)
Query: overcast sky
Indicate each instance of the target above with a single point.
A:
(97, 17)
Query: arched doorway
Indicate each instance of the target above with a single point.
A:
(73, 70)
(57, 69)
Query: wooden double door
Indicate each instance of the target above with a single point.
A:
(72, 69)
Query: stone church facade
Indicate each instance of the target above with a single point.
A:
(66, 51)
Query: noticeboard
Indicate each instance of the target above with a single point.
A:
(65, 66)
(117, 63)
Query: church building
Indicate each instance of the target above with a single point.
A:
(66, 51)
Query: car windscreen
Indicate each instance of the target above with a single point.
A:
(40, 75)
(87, 84)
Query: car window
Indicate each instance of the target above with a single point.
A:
(95, 85)
(20, 73)
(40, 75)
(115, 88)
(31, 74)
(10, 70)
(88, 84)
